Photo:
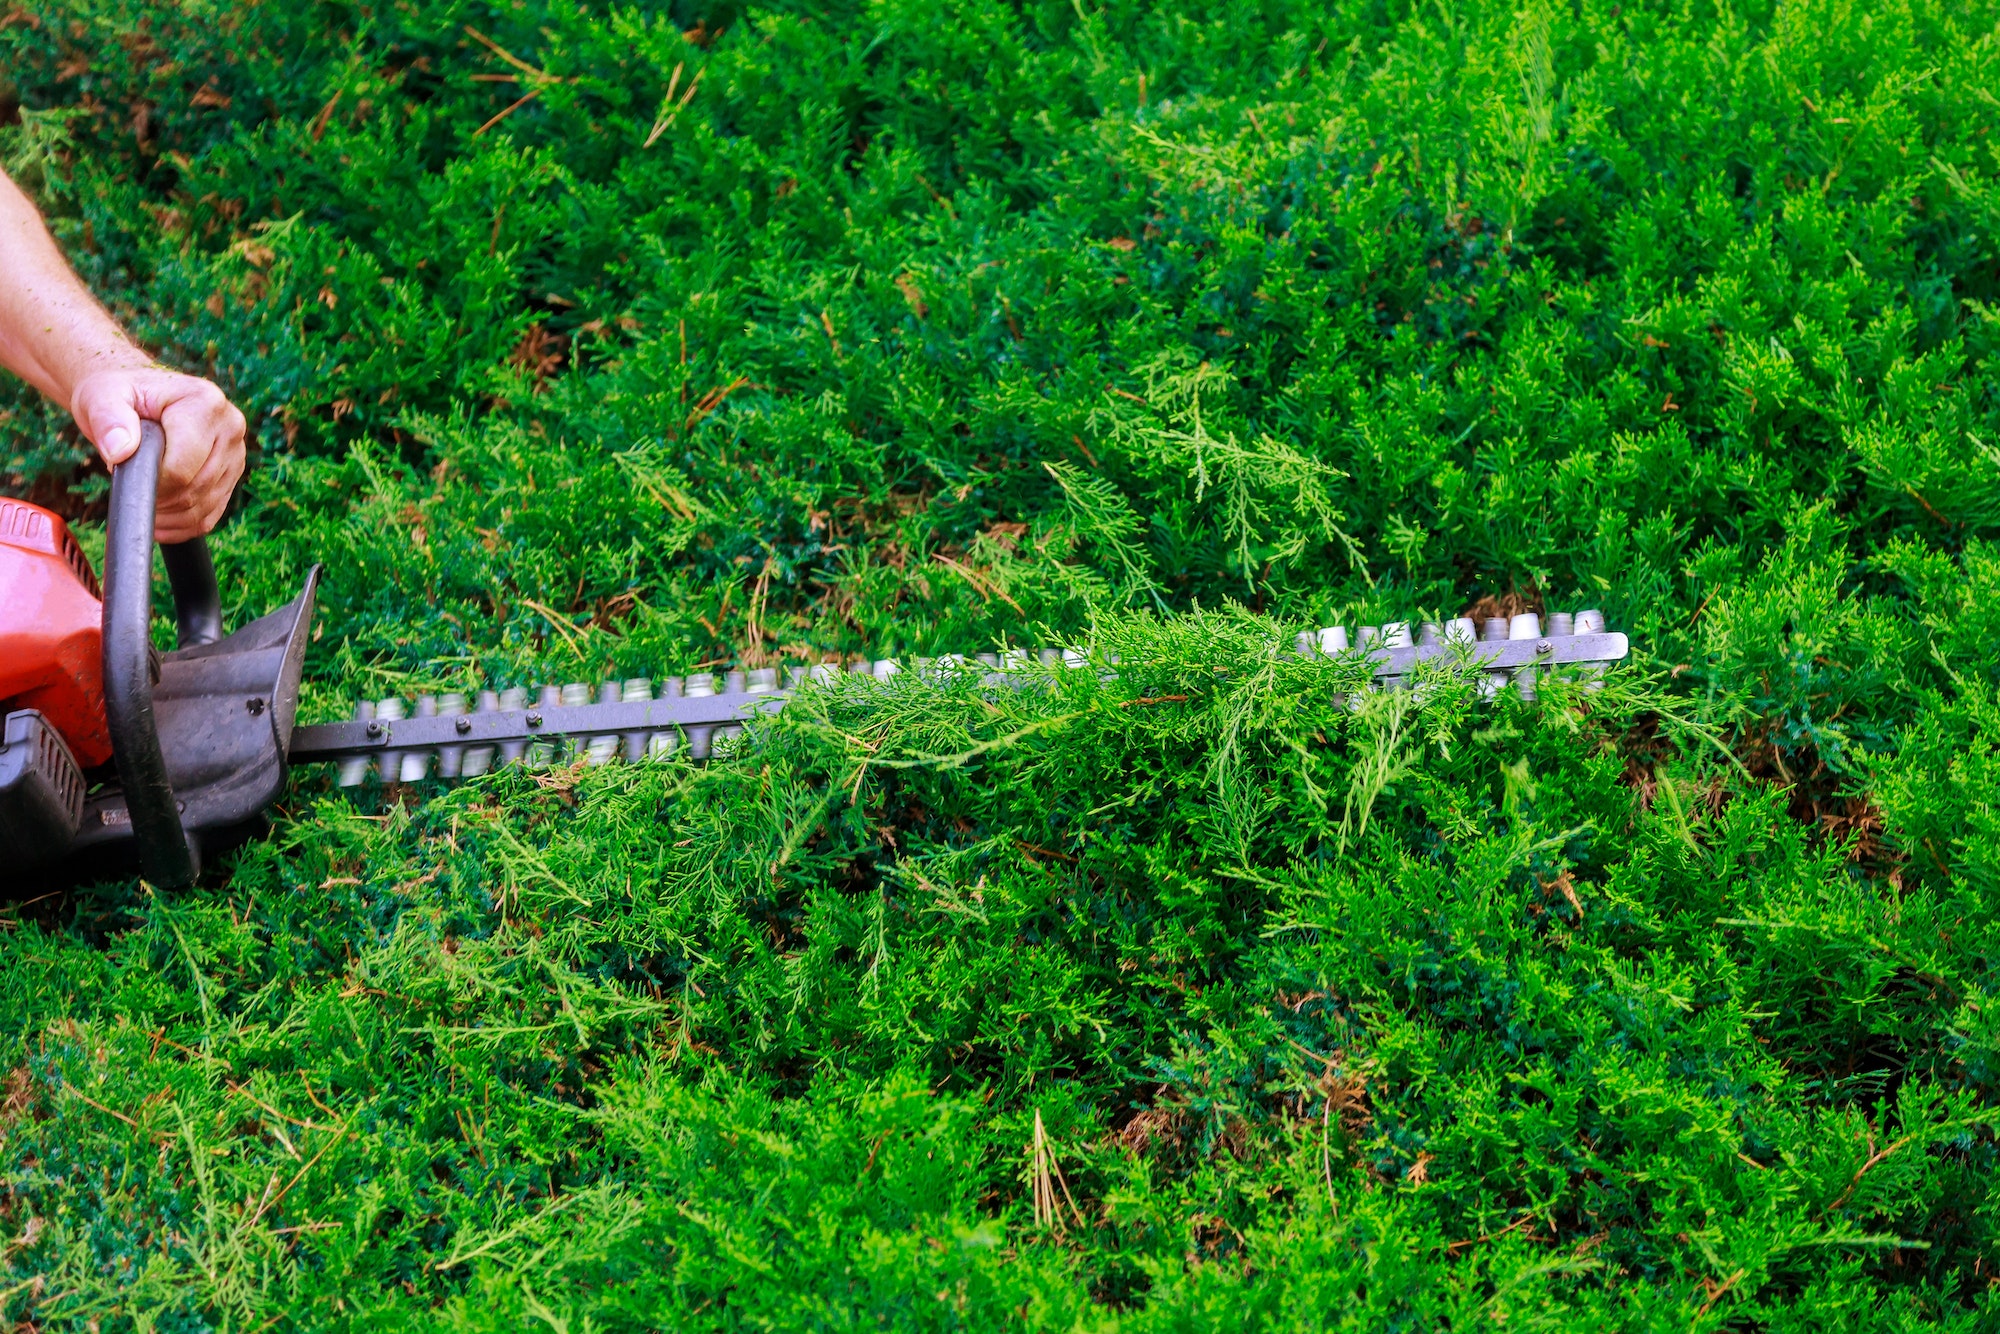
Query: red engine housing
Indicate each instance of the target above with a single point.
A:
(51, 629)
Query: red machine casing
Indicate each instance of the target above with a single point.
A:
(51, 629)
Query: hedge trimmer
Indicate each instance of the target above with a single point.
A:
(113, 752)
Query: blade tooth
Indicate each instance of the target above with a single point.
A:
(541, 754)
(451, 759)
(1590, 621)
(736, 683)
(1367, 638)
(603, 749)
(700, 685)
(762, 680)
(636, 690)
(1395, 634)
(663, 743)
(567, 749)
(479, 759)
(416, 763)
(1527, 625)
(354, 770)
(513, 698)
(885, 668)
(390, 763)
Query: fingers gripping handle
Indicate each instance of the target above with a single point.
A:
(190, 572)
(164, 852)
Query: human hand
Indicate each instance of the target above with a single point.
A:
(204, 439)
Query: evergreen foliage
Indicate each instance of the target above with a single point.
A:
(584, 342)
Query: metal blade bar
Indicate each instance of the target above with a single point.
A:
(333, 741)
(1508, 654)
(546, 722)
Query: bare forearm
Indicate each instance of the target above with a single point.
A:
(54, 335)
(53, 332)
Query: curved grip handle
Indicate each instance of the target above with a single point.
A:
(164, 853)
(197, 598)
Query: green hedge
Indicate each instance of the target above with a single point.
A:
(581, 344)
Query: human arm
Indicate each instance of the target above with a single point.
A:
(55, 335)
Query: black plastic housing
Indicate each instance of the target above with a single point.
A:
(223, 715)
(41, 792)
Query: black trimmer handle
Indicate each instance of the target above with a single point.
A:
(165, 854)
(197, 599)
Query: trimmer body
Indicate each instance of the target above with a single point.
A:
(205, 741)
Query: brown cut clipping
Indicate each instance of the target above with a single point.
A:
(1509, 604)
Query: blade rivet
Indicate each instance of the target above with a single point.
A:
(374, 729)
(1543, 646)
(534, 720)
(463, 725)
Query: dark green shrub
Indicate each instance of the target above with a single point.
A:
(581, 343)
